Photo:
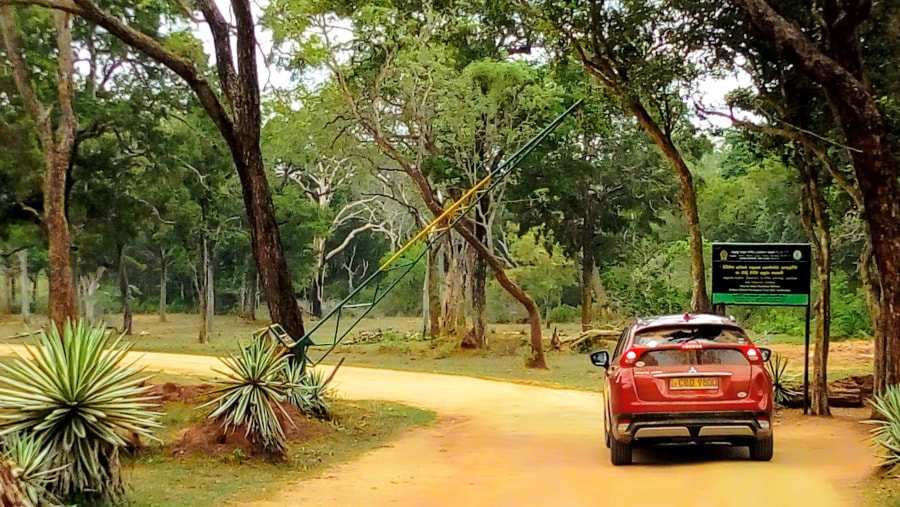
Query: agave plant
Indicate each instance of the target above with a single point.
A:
(74, 395)
(253, 389)
(886, 432)
(308, 390)
(777, 366)
(29, 458)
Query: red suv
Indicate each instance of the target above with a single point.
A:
(686, 378)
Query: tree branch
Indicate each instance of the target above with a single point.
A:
(141, 42)
(221, 36)
(38, 111)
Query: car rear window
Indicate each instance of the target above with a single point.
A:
(684, 357)
(681, 334)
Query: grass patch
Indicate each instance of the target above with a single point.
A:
(504, 359)
(359, 426)
(882, 492)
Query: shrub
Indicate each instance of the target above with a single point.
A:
(75, 397)
(29, 458)
(253, 389)
(565, 313)
(886, 433)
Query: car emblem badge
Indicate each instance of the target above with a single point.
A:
(692, 370)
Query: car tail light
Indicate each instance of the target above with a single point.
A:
(629, 358)
(753, 354)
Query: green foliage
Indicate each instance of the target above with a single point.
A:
(886, 433)
(75, 397)
(849, 312)
(748, 201)
(543, 271)
(406, 297)
(777, 366)
(253, 389)
(778, 321)
(654, 279)
(565, 313)
(30, 458)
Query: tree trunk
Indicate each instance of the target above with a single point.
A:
(536, 358)
(317, 294)
(56, 147)
(434, 290)
(204, 289)
(24, 301)
(267, 247)
(587, 300)
(688, 201)
(253, 299)
(163, 286)
(601, 298)
(453, 299)
(868, 274)
(125, 292)
(856, 112)
(815, 221)
(89, 284)
(5, 287)
(478, 274)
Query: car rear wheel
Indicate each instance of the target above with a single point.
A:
(619, 453)
(762, 450)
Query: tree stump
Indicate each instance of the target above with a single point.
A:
(469, 341)
(555, 343)
(10, 492)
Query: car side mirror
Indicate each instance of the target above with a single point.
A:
(765, 354)
(600, 358)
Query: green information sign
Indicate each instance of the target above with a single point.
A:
(775, 274)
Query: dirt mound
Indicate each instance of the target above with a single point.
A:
(209, 438)
(172, 392)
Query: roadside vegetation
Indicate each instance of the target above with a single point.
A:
(74, 414)
(148, 169)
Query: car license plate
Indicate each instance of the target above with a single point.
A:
(694, 383)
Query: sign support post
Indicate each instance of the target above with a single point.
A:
(806, 364)
(767, 274)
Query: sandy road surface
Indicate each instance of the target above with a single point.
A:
(499, 444)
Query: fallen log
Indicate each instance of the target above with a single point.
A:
(852, 392)
(588, 340)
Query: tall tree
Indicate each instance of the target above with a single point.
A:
(625, 46)
(234, 106)
(56, 144)
(390, 96)
(822, 42)
(598, 183)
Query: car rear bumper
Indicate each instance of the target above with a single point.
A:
(732, 427)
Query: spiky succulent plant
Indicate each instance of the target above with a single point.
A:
(75, 393)
(252, 390)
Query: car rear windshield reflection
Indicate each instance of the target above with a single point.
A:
(679, 357)
(682, 334)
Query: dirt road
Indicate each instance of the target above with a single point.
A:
(499, 444)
